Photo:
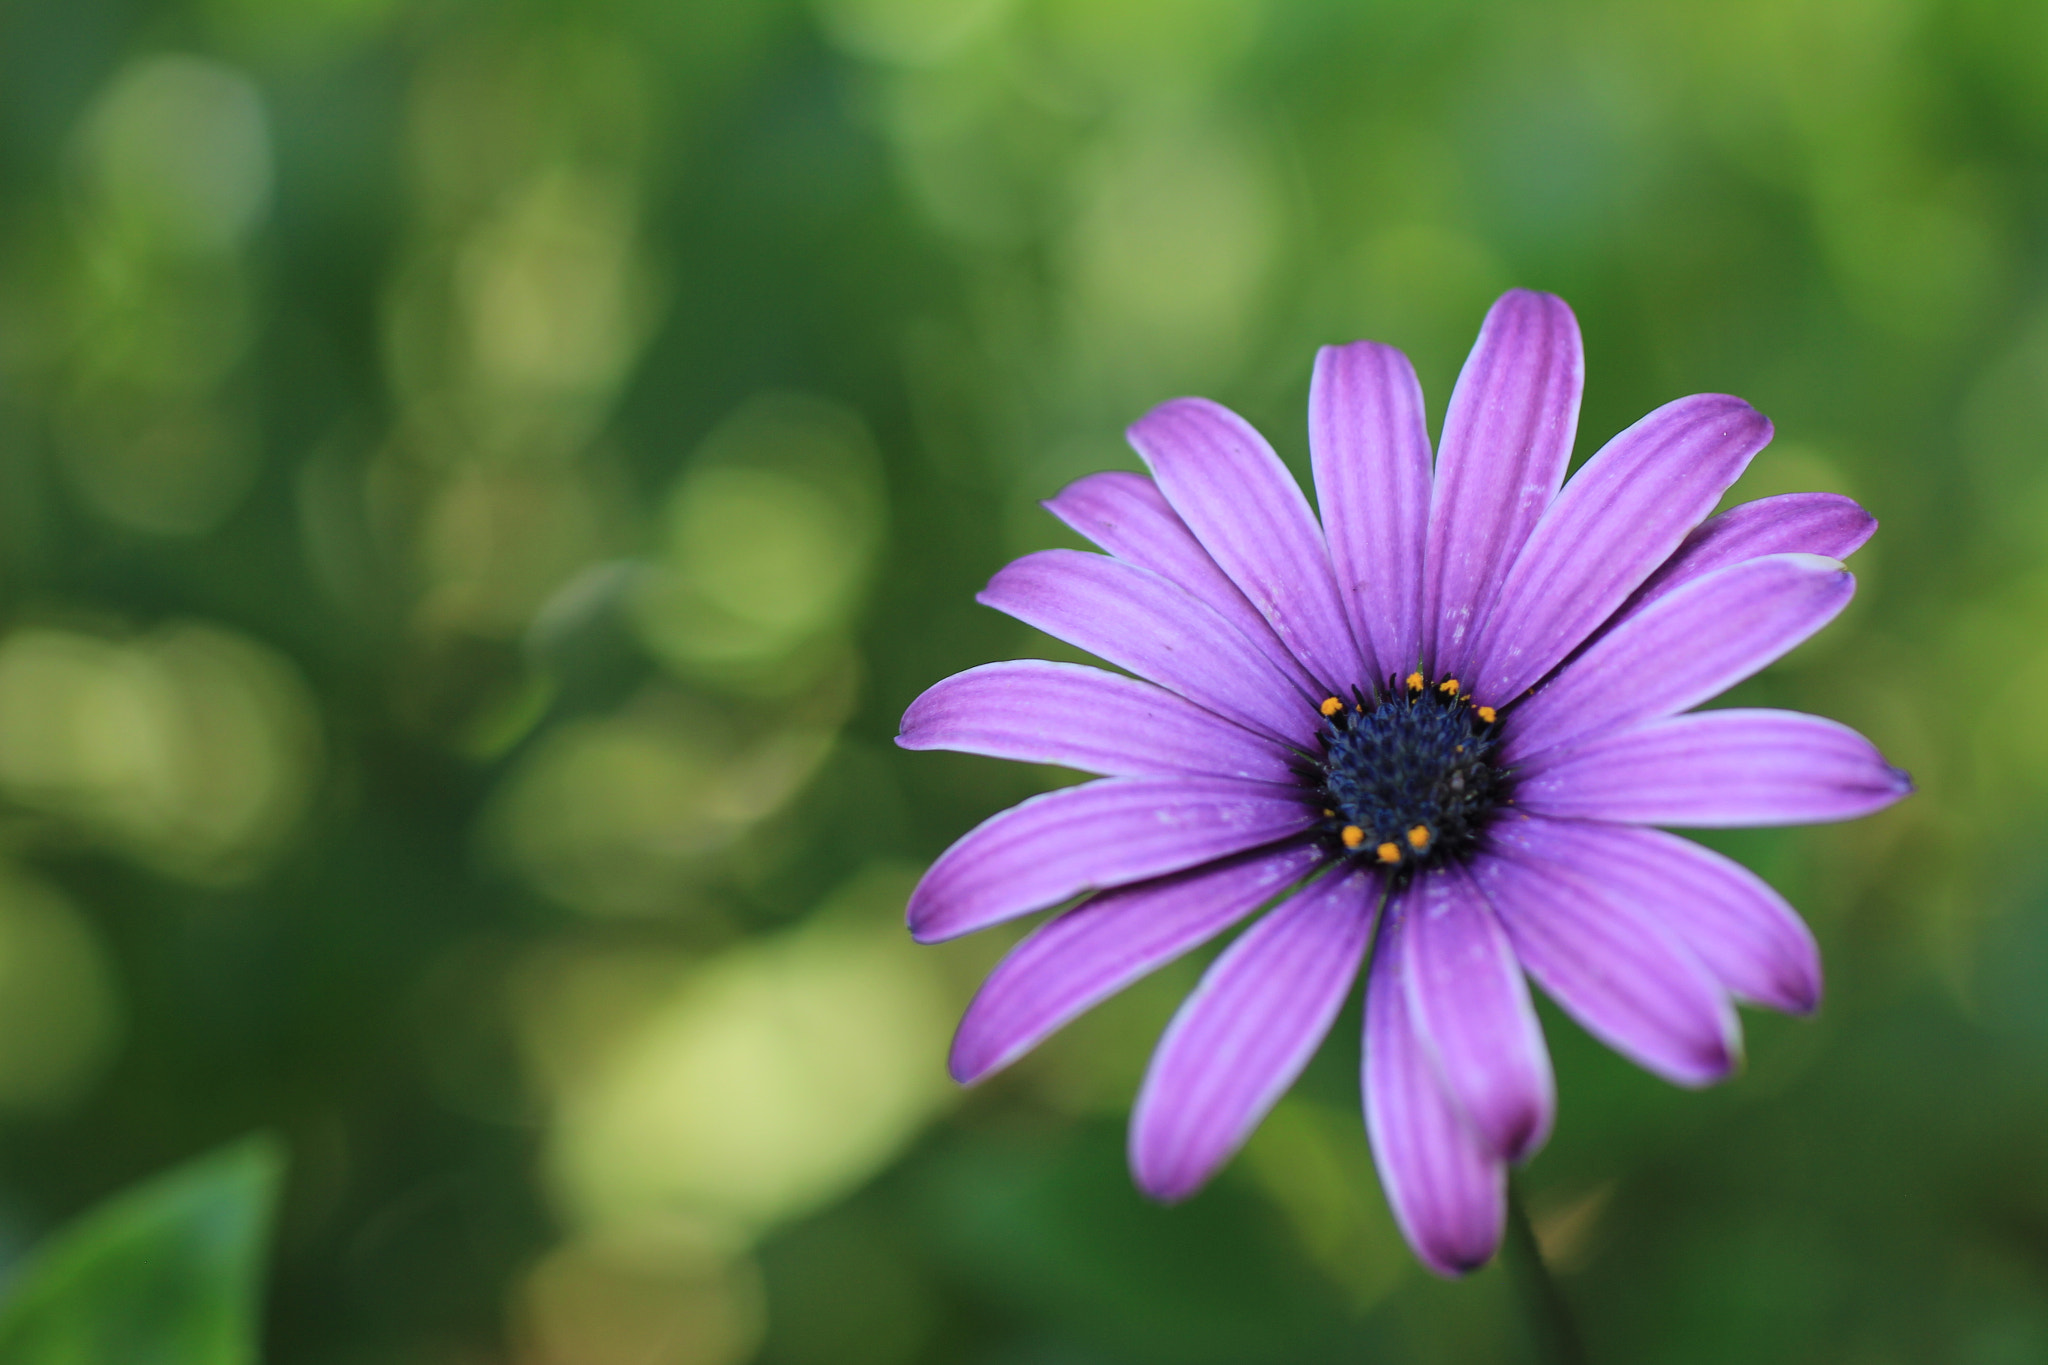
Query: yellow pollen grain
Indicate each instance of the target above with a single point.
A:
(1329, 814)
(1486, 714)
(1331, 706)
(1418, 837)
(1352, 836)
(1414, 682)
(1449, 687)
(1389, 853)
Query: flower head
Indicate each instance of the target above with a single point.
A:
(1431, 733)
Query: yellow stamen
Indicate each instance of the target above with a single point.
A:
(1389, 853)
(1328, 814)
(1352, 836)
(1418, 837)
(1415, 682)
(1331, 706)
(1485, 714)
(1449, 687)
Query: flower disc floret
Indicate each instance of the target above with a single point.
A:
(1409, 776)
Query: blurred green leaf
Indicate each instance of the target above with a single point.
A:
(165, 1273)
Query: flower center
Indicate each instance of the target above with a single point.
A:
(1408, 772)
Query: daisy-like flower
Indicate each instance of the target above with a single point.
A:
(1433, 732)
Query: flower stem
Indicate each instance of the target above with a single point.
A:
(1557, 1332)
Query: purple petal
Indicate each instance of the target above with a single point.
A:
(1447, 1190)
(1081, 717)
(1087, 838)
(1744, 933)
(1469, 1005)
(1611, 963)
(1370, 448)
(1249, 513)
(1072, 963)
(1791, 523)
(1716, 769)
(1137, 620)
(1693, 644)
(1507, 439)
(1246, 1032)
(1128, 516)
(1620, 517)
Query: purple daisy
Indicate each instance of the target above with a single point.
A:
(1432, 732)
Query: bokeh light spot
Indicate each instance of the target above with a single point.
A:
(59, 1006)
(659, 1292)
(178, 151)
(772, 531)
(773, 1079)
(192, 749)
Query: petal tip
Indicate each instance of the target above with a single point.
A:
(1822, 566)
(920, 920)
(1456, 1264)
(1522, 296)
(1162, 1168)
(1712, 1066)
(1795, 990)
(1803, 1002)
(1528, 1137)
(1343, 350)
(1167, 1187)
(1162, 413)
(1803, 995)
(1734, 412)
(967, 1064)
(1534, 303)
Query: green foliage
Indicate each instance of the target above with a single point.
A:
(169, 1272)
(480, 482)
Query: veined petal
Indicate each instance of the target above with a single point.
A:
(1693, 644)
(1791, 523)
(1469, 1005)
(1369, 444)
(1137, 620)
(1604, 957)
(1507, 439)
(1716, 769)
(1620, 517)
(1246, 1032)
(1070, 964)
(1092, 837)
(1447, 1190)
(1128, 516)
(1249, 513)
(1080, 717)
(1744, 933)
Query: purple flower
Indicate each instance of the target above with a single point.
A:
(1433, 731)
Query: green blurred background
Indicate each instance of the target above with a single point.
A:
(479, 482)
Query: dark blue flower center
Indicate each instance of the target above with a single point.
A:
(1409, 773)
